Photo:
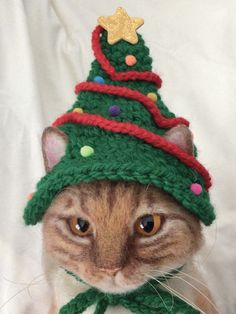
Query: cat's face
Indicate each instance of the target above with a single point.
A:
(115, 235)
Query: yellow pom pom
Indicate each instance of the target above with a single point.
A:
(86, 151)
(152, 96)
(78, 110)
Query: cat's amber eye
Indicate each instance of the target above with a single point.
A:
(148, 225)
(79, 226)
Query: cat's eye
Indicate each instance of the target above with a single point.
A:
(148, 225)
(80, 226)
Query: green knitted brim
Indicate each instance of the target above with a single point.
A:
(118, 157)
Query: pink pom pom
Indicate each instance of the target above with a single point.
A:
(196, 188)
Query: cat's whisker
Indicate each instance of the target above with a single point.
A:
(181, 296)
(31, 283)
(161, 296)
(194, 287)
(181, 272)
(171, 294)
(26, 284)
(14, 282)
(12, 297)
(178, 294)
(203, 260)
(22, 283)
(199, 291)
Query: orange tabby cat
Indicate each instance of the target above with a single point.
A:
(116, 236)
(128, 234)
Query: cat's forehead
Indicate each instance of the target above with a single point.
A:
(120, 190)
(105, 197)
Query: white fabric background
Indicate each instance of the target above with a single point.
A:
(45, 49)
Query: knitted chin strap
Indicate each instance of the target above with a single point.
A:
(148, 299)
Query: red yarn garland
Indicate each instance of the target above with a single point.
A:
(119, 76)
(129, 128)
(135, 95)
(138, 132)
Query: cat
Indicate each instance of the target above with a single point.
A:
(117, 235)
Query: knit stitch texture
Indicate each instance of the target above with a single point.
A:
(148, 299)
(131, 147)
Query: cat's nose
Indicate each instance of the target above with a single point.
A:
(110, 271)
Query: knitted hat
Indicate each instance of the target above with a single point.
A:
(120, 129)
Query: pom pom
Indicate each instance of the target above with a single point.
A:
(196, 188)
(29, 196)
(78, 110)
(86, 151)
(99, 79)
(114, 111)
(152, 96)
(130, 60)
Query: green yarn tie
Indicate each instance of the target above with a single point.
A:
(148, 299)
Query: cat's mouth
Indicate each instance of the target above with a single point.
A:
(116, 284)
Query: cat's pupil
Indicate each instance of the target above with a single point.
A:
(147, 223)
(82, 225)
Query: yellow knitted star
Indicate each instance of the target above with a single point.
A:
(121, 26)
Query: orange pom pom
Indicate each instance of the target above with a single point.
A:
(29, 196)
(130, 60)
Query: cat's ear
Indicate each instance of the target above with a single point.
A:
(181, 136)
(54, 143)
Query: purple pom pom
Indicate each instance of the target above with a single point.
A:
(114, 111)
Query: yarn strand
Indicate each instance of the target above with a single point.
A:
(141, 133)
(144, 300)
(120, 76)
(134, 95)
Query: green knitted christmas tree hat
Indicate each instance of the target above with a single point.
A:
(120, 129)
